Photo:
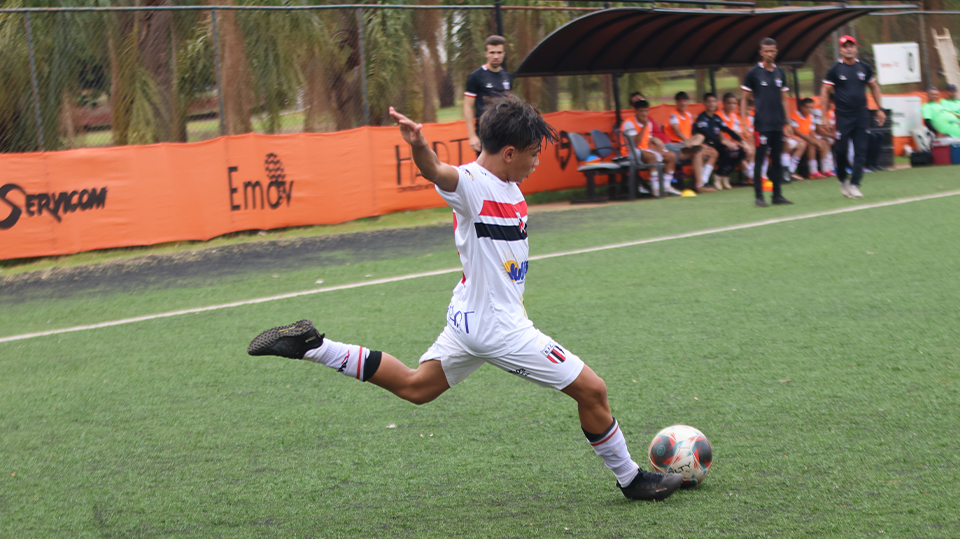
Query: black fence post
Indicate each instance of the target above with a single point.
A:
(498, 11)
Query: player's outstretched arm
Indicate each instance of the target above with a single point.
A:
(431, 168)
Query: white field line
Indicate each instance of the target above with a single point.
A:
(453, 270)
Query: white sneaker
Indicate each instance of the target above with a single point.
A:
(671, 191)
(854, 191)
(845, 188)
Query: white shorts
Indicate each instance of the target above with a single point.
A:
(790, 142)
(537, 358)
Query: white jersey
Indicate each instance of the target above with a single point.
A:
(490, 217)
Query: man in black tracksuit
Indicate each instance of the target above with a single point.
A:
(848, 80)
(710, 126)
(766, 83)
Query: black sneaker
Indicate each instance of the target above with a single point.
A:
(291, 341)
(760, 203)
(781, 201)
(652, 486)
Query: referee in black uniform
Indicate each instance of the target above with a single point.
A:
(766, 83)
(484, 84)
(848, 80)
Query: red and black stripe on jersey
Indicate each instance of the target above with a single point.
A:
(498, 230)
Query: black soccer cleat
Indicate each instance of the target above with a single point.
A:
(781, 201)
(652, 486)
(291, 341)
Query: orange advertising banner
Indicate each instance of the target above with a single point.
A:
(79, 200)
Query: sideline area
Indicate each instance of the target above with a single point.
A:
(703, 232)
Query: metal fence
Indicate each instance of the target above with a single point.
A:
(88, 76)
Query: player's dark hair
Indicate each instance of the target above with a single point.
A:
(681, 95)
(511, 121)
(636, 94)
(728, 95)
(806, 101)
(708, 95)
(641, 104)
(767, 41)
(494, 40)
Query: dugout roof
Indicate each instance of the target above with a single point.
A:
(629, 40)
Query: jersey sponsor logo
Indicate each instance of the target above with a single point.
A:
(764, 83)
(555, 353)
(862, 75)
(506, 85)
(460, 320)
(490, 85)
(778, 81)
(517, 271)
(842, 77)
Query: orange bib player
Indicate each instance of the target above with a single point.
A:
(805, 124)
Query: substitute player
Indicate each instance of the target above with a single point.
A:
(848, 80)
(765, 84)
(486, 321)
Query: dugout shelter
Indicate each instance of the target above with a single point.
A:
(630, 40)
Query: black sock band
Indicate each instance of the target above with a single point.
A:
(372, 364)
(594, 438)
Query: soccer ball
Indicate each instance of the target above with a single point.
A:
(683, 450)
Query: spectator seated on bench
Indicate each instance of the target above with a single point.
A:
(731, 118)
(648, 148)
(680, 131)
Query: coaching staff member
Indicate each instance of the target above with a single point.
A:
(766, 83)
(848, 80)
(484, 84)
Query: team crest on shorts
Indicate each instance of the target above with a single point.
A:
(555, 353)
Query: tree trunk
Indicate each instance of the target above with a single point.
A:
(154, 46)
(237, 79)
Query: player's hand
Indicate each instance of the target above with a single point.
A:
(475, 143)
(881, 117)
(411, 131)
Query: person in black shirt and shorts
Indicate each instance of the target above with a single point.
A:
(848, 80)
(484, 84)
(766, 83)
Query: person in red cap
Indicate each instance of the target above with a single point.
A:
(848, 80)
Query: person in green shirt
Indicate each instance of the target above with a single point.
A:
(937, 119)
(951, 103)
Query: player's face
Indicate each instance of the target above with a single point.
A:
(730, 105)
(806, 109)
(494, 54)
(642, 114)
(682, 104)
(848, 50)
(710, 104)
(933, 95)
(768, 53)
(523, 163)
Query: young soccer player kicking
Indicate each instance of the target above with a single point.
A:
(486, 321)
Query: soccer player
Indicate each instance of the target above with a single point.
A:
(486, 321)
(805, 124)
(483, 84)
(731, 117)
(848, 80)
(680, 130)
(650, 149)
(765, 83)
(712, 127)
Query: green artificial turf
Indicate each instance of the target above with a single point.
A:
(819, 356)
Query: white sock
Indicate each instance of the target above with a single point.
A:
(654, 182)
(794, 163)
(349, 359)
(785, 160)
(612, 448)
(828, 162)
(812, 165)
(766, 165)
(707, 171)
(748, 170)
